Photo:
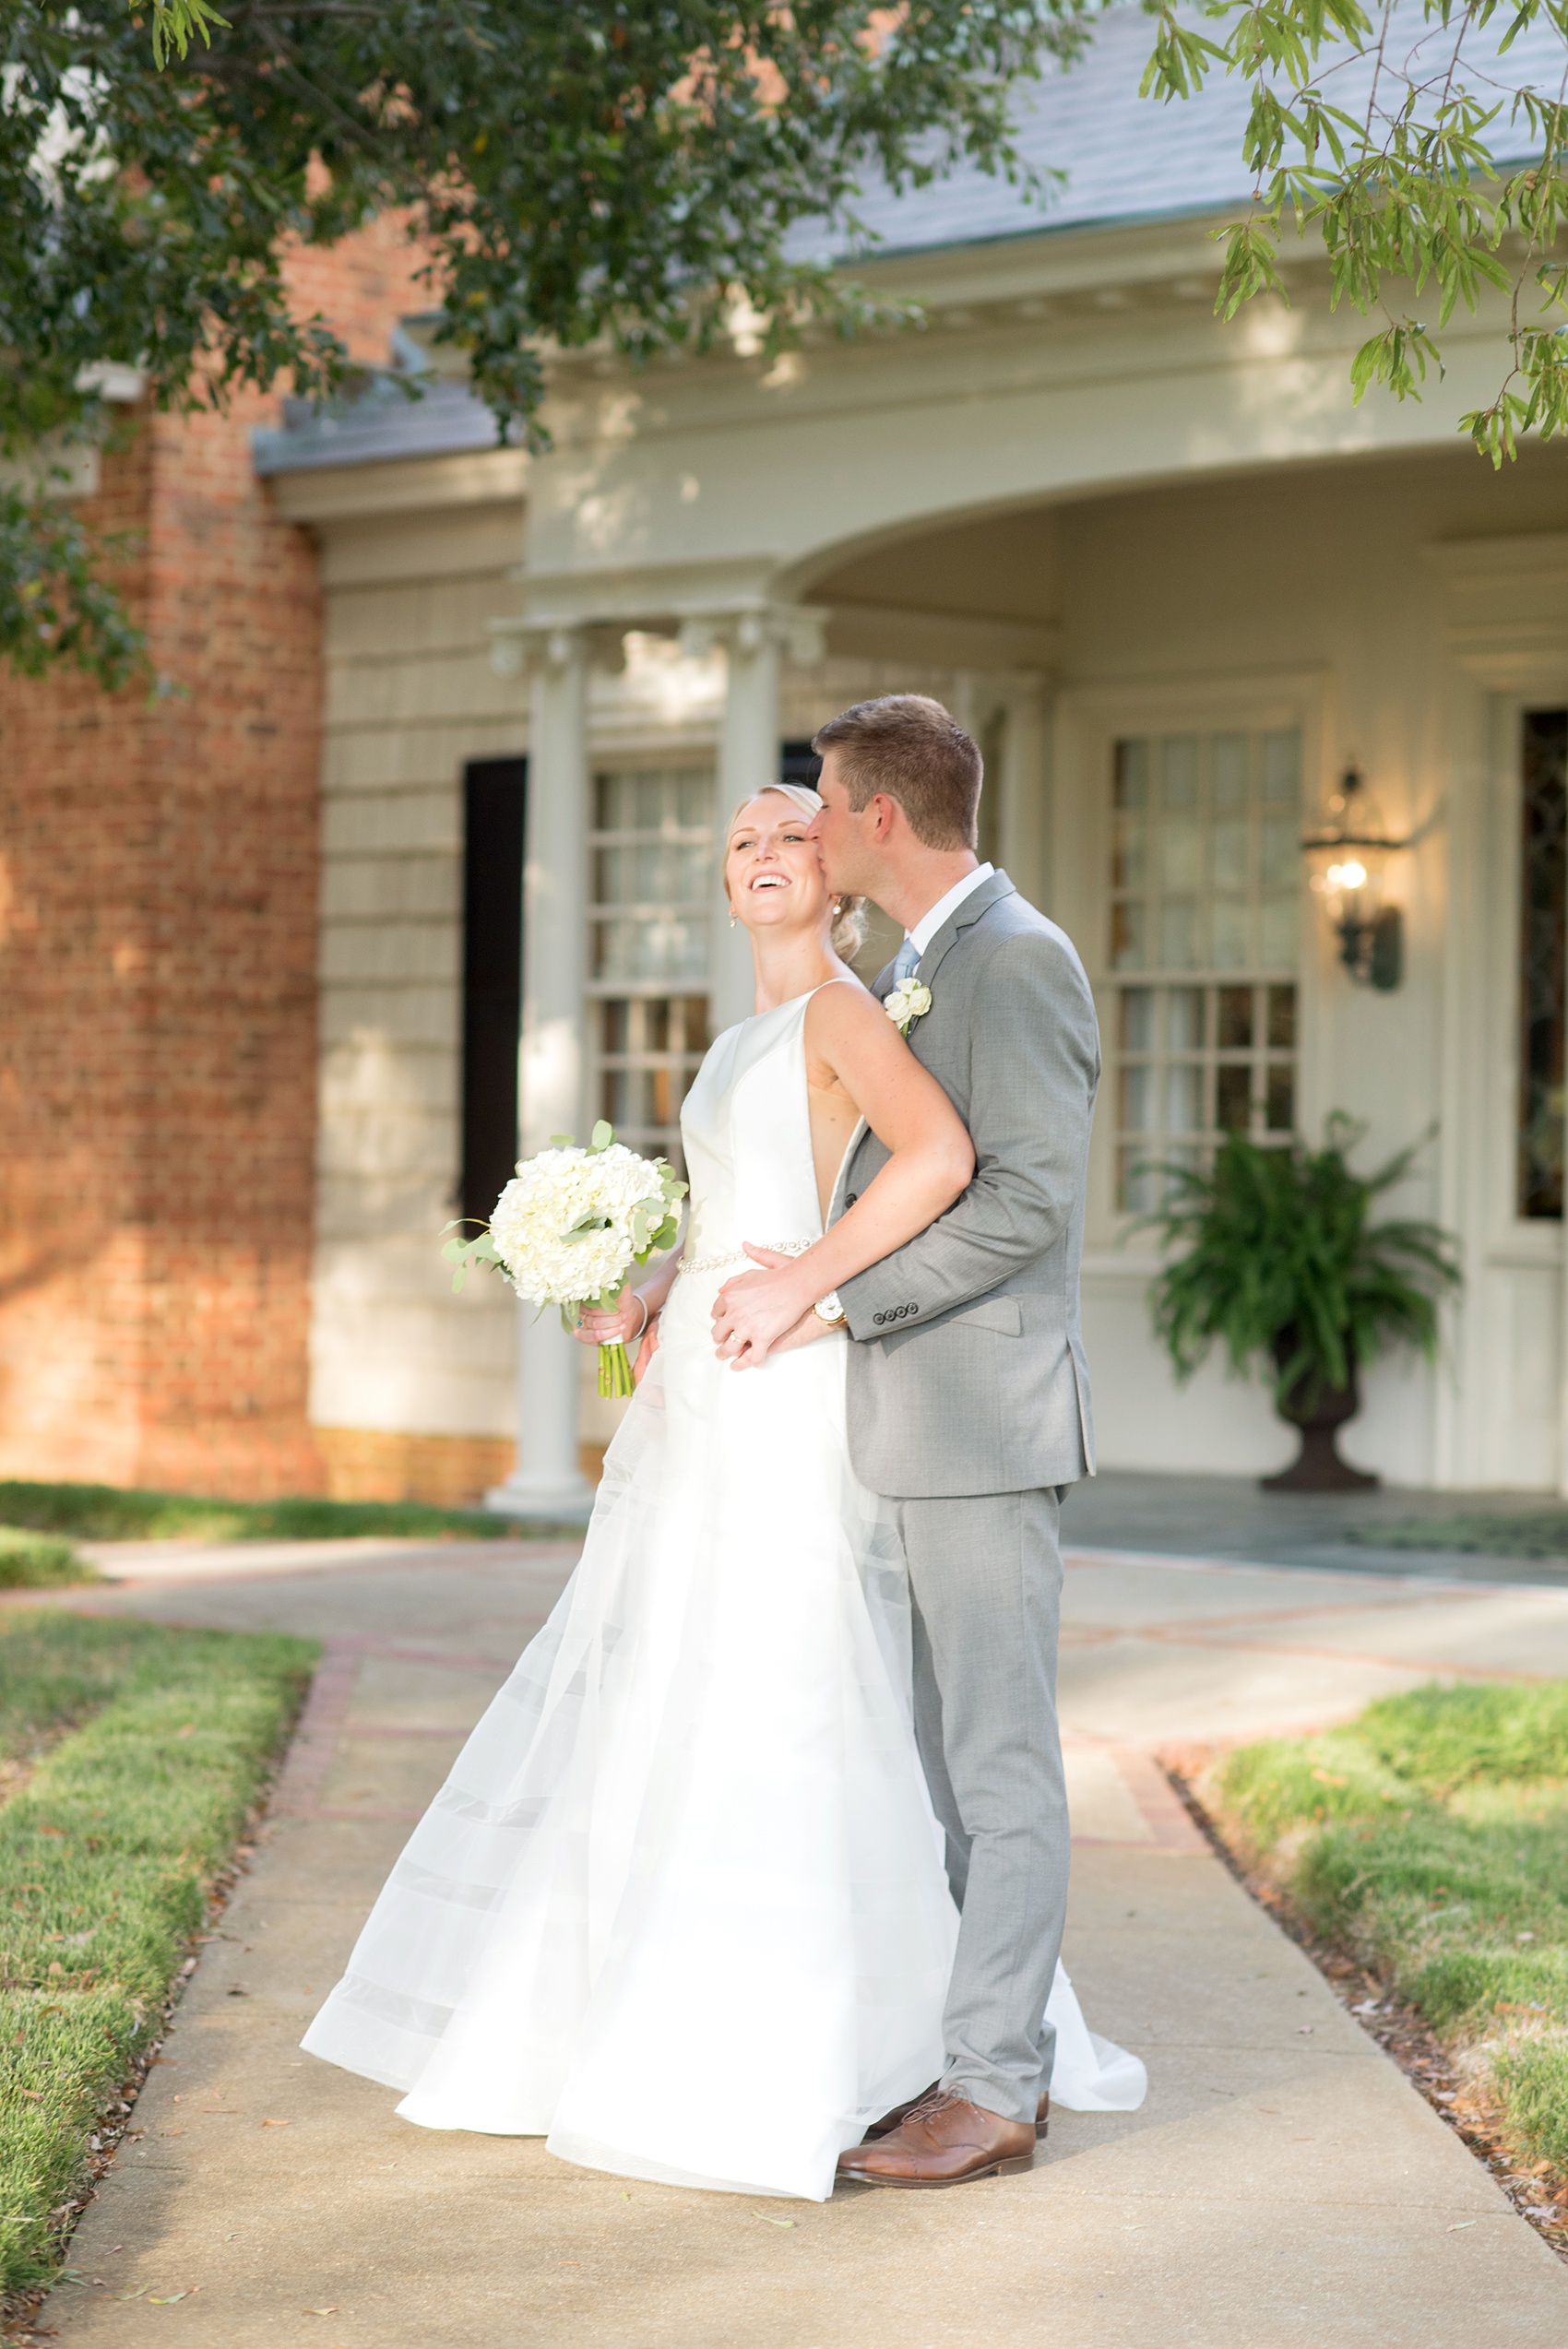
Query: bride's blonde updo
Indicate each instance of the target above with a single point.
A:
(847, 934)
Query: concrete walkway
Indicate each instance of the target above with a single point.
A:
(1282, 2185)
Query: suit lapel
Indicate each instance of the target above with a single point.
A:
(978, 901)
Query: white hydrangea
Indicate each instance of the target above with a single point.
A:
(550, 1196)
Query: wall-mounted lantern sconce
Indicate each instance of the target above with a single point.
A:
(1348, 859)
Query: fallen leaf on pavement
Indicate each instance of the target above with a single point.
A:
(320, 2312)
(275, 2124)
(165, 2299)
(772, 2222)
(1461, 2227)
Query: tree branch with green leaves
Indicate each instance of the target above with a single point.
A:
(1425, 147)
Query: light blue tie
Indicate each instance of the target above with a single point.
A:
(906, 961)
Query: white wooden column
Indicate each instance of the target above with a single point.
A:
(547, 1481)
(754, 642)
(748, 758)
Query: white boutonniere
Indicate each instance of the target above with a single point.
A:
(907, 1002)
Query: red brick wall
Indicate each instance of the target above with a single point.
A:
(157, 880)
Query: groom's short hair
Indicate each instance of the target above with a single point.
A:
(910, 748)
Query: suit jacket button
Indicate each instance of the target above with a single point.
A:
(878, 1319)
(850, 1197)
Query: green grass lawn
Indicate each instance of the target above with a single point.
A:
(1430, 1837)
(39, 1561)
(149, 1748)
(108, 1513)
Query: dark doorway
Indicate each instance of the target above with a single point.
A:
(494, 795)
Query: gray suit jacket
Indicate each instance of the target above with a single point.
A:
(967, 1372)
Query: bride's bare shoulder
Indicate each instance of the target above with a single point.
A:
(848, 1027)
(841, 1007)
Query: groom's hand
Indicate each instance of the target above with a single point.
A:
(752, 1312)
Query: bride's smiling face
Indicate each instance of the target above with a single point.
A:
(773, 868)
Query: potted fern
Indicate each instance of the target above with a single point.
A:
(1278, 1257)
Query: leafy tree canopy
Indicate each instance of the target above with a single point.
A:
(630, 170)
(625, 170)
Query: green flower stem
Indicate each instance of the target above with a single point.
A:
(614, 1370)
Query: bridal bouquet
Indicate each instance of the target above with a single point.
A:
(569, 1227)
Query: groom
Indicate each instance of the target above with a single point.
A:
(968, 1401)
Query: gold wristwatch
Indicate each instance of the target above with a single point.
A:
(827, 1309)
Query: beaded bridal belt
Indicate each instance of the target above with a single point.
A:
(722, 1264)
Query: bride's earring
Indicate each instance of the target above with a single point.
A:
(734, 918)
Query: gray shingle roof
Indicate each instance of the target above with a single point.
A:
(381, 422)
(1129, 158)
(1125, 158)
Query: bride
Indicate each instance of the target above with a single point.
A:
(681, 1906)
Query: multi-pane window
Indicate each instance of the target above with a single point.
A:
(1543, 963)
(650, 853)
(1204, 907)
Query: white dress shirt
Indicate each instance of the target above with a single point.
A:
(925, 930)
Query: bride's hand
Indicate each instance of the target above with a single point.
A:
(752, 1313)
(625, 1325)
(806, 1331)
(646, 1352)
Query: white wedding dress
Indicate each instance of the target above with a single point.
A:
(679, 1908)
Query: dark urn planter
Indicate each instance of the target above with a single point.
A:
(1318, 1416)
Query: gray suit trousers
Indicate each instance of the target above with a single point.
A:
(985, 1572)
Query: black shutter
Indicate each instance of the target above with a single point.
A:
(494, 790)
(1543, 964)
(798, 763)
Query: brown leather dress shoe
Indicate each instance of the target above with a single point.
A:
(943, 2141)
(889, 2121)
